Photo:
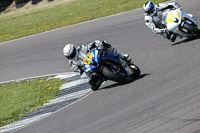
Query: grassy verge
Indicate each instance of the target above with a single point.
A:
(22, 22)
(18, 98)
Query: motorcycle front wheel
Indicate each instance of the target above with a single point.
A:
(136, 70)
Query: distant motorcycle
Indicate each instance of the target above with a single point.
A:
(182, 24)
(107, 65)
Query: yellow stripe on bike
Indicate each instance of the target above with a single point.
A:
(178, 14)
(170, 17)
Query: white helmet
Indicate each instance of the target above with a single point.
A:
(149, 8)
(70, 51)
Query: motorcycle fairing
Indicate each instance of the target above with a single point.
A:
(110, 57)
(91, 60)
(173, 19)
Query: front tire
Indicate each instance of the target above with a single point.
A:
(136, 70)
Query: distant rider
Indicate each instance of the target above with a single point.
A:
(76, 55)
(155, 18)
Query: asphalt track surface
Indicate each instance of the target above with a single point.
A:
(166, 99)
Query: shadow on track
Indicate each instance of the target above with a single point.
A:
(121, 84)
(186, 40)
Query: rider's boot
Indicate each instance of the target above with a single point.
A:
(121, 55)
(126, 58)
(173, 37)
(94, 86)
(96, 83)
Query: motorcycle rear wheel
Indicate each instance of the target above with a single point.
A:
(116, 77)
(192, 28)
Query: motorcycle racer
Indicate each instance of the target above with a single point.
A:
(155, 18)
(76, 56)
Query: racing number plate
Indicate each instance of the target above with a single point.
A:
(88, 58)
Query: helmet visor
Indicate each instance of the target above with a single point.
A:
(72, 55)
(151, 11)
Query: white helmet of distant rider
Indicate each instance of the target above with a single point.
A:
(149, 8)
(70, 52)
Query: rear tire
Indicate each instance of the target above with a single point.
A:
(116, 77)
(192, 28)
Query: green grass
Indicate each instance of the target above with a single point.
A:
(46, 18)
(18, 98)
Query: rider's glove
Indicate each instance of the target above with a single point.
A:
(159, 31)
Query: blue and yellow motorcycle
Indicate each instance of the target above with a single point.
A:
(108, 66)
